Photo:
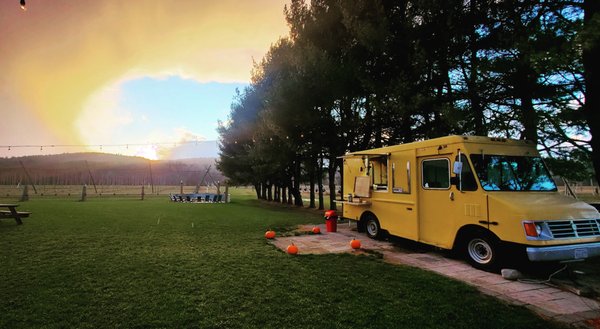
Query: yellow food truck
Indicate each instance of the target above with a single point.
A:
(488, 198)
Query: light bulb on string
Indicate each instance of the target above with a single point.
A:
(23, 5)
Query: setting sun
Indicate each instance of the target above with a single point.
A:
(148, 152)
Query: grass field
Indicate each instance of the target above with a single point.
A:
(122, 263)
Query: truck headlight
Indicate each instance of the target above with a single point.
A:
(532, 229)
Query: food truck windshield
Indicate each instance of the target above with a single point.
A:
(512, 173)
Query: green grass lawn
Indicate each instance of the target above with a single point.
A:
(155, 264)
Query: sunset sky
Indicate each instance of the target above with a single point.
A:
(107, 72)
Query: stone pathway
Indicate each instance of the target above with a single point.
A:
(547, 301)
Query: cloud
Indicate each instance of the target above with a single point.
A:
(104, 104)
(59, 55)
(188, 145)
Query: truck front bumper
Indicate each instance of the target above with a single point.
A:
(564, 253)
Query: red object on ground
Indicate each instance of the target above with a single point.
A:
(292, 249)
(316, 230)
(270, 234)
(355, 244)
(331, 218)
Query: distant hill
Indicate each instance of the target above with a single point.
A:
(107, 169)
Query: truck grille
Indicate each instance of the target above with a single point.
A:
(574, 228)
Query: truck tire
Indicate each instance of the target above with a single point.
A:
(372, 227)
(482, 251)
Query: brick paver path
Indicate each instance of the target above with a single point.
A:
(545, 300)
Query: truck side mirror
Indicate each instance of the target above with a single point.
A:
(457, 170)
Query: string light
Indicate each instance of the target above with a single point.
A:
(23, 5)
(101, 146)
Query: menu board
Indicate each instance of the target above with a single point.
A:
(361, 186)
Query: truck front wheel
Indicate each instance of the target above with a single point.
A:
(372, 227)
(482, 252)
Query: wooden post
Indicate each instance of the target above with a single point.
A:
(226, 198)
(142, 192)
(83, 193)
(91, 176)
(30, 181)
(25, 195)
(151, 178)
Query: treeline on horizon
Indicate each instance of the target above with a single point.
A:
(106, 169)
(362, 74)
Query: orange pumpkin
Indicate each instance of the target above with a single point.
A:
(316, 230)
(292, 249)
(270, 234)
(355, 244)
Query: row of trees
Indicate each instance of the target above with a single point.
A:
(105, 169)
(360, 74)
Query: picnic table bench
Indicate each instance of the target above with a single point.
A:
(13, 213)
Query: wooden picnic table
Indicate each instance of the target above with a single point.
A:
(13, 213)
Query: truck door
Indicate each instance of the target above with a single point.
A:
(446, 205)
(470, 200)
(435, 202)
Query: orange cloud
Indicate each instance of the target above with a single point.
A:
(59, 53)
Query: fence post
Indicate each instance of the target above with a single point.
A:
(143, 193)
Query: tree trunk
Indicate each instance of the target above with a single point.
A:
(311, 179)
(257, 190)
(296, 185)
(591, 53)
(331, 172)
(320, 183)
(264, 191)
(525, 81)
(270, 192)
(277, 197)
(472, 85)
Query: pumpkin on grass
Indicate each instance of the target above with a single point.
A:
(270, 234)
(316, 230)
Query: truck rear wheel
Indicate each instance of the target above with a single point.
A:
(482, 252)
(372, 227)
